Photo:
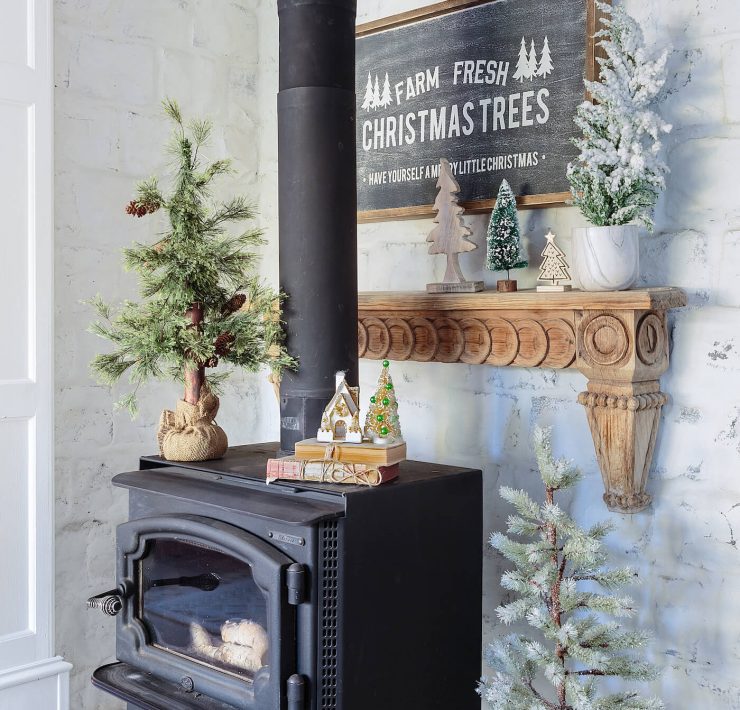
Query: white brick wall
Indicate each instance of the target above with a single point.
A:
(685, 547)
(117, 59)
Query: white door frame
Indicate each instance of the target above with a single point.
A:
(31, 677)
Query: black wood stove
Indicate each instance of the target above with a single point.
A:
(297, 596)
(363, 598)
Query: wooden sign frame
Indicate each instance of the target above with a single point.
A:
(591, 72)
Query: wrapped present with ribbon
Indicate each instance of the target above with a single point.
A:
(368, 453)
(329, 471)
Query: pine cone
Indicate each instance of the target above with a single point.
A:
(222, 344)
(234, 303)
(212, 362)
(141, 208)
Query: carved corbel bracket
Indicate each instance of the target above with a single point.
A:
(623, 353)
(618, 340)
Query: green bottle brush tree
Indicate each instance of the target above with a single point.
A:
(202, 306)
(504, 248)
(565, 592)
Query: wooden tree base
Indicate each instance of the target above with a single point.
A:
(557, 288)
(456, 287)
(506, 286)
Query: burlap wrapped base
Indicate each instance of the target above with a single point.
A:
(190, 433)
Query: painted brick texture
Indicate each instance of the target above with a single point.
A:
(116, 60)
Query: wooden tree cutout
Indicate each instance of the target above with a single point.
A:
(450, 236)
(554, 268)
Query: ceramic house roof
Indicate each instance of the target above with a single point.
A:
(346, 393)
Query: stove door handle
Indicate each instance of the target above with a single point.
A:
(110, 602)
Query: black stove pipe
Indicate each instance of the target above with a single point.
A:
(318, 206)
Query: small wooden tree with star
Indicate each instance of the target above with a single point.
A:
(450, 236)
(554, 268)
(382, 425)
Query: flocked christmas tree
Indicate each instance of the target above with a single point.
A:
(619, 174)
(565, 592)
(201, 303)
(382, 424)
(504, 249)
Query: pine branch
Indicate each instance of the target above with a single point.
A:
(236, 210)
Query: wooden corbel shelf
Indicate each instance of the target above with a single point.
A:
(618, 340)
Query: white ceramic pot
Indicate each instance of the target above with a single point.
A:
(605, 258)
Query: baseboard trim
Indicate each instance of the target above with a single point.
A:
(34, 671)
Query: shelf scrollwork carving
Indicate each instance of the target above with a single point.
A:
(618, 340)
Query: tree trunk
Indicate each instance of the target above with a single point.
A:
(195, 376)
(453, 273)
(552, 535)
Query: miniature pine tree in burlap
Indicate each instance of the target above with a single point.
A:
(504, 247)
(382, 424)
(201, 303)
(564, 591)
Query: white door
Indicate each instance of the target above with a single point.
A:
(30, 677)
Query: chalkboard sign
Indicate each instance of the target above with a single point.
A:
(491, 86)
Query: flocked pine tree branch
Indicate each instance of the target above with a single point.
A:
(202, 304)
(564, 591)
(619, 174)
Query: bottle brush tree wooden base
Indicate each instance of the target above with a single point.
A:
(506, 285)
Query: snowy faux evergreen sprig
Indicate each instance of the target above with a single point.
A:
(619, 173)
(564, 591)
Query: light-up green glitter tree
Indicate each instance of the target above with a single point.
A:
(504, 249)
(564, 590)
(382, 425)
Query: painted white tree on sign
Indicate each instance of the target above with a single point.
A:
(532, 62)
(522, 64)
(386, 99)
(369, 101)
(376, 93)
(546, 66)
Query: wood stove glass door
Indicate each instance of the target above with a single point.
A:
(208, 602)
(204, 604)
